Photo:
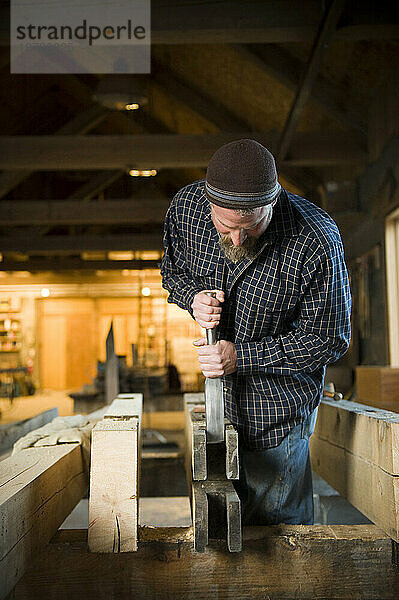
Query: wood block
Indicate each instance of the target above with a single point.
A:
(113, 504)
(198, 443)
(356, 450)
(232, 461)
(39, 487)
(200, 516)
(216, 514)
(233, 514)
(378, 386)
(11, 432)
(280, 562)
(165, 511)
(368, 432)
(209, 456)
(370, 489)
(125, 405)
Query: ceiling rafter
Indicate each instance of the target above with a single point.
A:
(67, 263)
(71, 212)
(95, 185)
(81, 124)
(158, 151)
(325, 32)
(30, 243)
(246, 22)
(276, 62)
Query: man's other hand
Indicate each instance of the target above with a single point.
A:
(217, 360)
(207, 310)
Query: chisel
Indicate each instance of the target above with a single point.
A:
(214, 403)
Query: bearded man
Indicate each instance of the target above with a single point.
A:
(282, 308)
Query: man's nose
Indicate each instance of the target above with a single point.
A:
(238, 237)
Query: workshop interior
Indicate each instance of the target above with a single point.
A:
(118, 463)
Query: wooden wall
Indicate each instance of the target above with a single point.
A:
(377, 195)
(72, 332)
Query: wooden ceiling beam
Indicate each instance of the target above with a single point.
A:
(71, 212)
(276, 62)
(95, 185)
(29, 243)
(253, 22)
(82, 123)
(325, 32)
(195, 100)
(68, 263)
(164, 151)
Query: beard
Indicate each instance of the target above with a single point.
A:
(236, 254)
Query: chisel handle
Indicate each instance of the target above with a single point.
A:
(211, 335)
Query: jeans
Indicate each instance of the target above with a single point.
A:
(275, 485)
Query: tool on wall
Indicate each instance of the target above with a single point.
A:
(214, 402)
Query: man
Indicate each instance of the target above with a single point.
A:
(282, 311)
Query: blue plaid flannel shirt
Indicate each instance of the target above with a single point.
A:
(287, 310)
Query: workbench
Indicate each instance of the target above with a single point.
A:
(353, 446)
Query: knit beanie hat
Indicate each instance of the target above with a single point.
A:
(241, 175)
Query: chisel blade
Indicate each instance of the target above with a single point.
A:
(214, 406)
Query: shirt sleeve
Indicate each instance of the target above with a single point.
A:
(176, 278)
(321, 334)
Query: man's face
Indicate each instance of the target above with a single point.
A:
(239, 233)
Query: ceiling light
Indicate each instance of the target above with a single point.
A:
(45, 292)
(121, 92)
(121, 255)
(148, 255)
(93, 255)
(142, 172)
(146, 291)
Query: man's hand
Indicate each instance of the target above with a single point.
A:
(217, 360)
(207, 310)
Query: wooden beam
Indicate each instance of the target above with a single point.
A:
(260, 22)
(197, 100)
(70, 212)
(75, 244)
(327, 27)
(96, 185)
(80, 124)
(355, 448)
(71, 263)
(11, 432)
(38, 489)
(216, 507)
(222, 458)
(285, 561)
(114, 477)
(280, 64)
(164, 151)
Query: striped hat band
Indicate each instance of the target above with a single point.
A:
(238, 200)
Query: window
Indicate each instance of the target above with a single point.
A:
(392, 273)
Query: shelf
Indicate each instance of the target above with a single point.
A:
(17, 350)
